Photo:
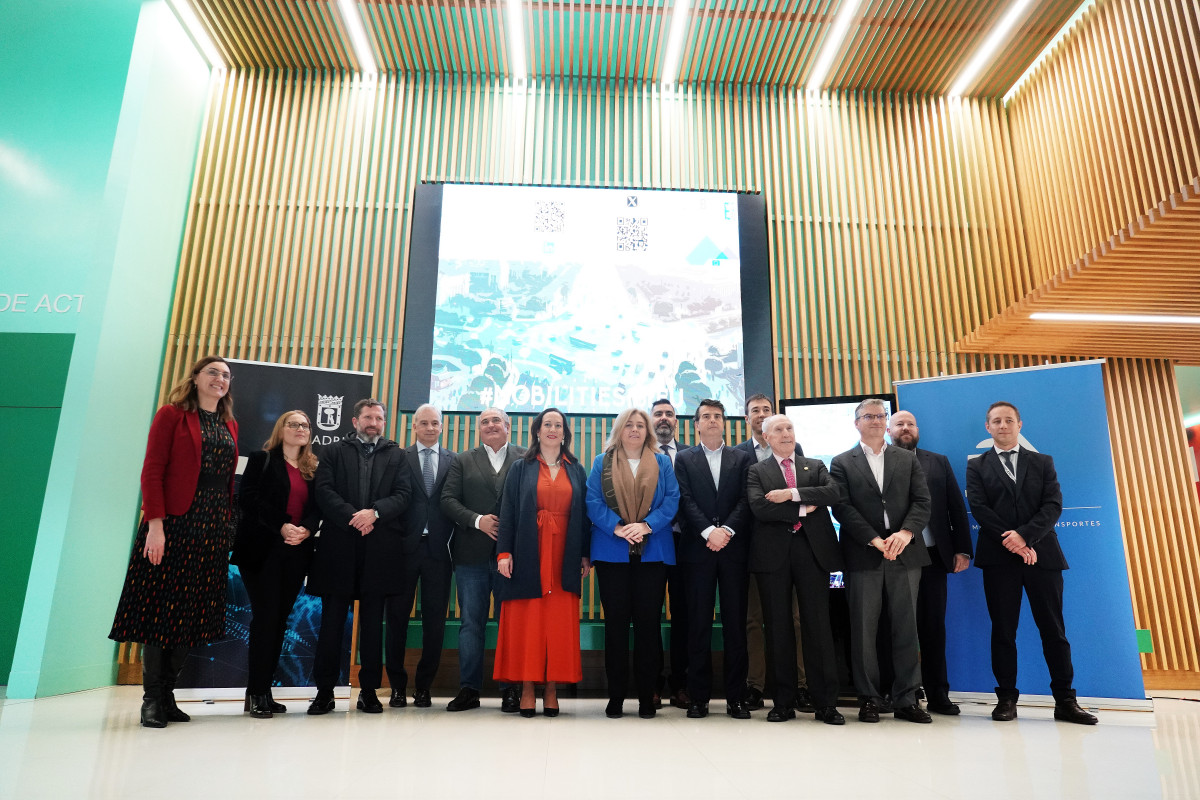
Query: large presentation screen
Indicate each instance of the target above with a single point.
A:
(592, 300)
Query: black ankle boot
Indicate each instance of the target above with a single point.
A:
(173, 661)
(153, 713)
(259, 705)
(276, 708)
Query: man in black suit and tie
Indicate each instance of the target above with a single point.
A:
(666, 426)
(947, 537)
(471, 499)
(758, 408)
(793, 550)
(428, 464)
(1015, 498)
(885, 505)
(713, 550)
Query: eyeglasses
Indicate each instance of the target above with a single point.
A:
(298, 426)
(224, 376)
(874, 417)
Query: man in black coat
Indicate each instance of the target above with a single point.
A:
(714, 546)
(793, 551)
(1015, 498)
(362, 487)
(885, 505)
(429, 464)
(947, 537)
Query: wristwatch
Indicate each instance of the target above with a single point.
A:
(376, 510)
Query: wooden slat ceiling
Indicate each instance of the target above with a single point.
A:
(1150, 267)
(894, 45)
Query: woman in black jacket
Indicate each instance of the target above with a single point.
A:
(274, 546)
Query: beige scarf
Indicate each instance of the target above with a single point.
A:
(630, 495)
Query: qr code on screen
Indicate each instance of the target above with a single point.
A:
(549, 218)
(633, 233)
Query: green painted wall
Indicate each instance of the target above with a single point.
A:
(84, 537)
(35, 366)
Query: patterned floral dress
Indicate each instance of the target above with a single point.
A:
(181, 602)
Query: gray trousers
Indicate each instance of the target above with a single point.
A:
(866, 591)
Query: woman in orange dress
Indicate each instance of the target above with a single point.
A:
(543, 546)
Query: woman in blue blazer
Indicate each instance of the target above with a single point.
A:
(632, 497)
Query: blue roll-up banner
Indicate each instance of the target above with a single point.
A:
(262, 392)
(1065, 415)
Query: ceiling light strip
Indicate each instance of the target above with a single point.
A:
(199, 36)
(679, 18)
(833, 44)
(516, 50)
(1133, 319)
(987, 50)
(352, 19)
(1063, 32)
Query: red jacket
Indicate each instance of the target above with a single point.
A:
(172, 466)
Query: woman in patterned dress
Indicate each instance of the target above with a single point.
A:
(174, 593)
(543, 558)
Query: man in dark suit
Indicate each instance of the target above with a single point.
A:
(429, 463)
(758, 408)
(666, 427)
(1015, 498)
(792, 553)
(362, 487)
(714, 546)
(471, 499)
(885, 504)
(947, 537)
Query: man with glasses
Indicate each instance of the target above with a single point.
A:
(885, 505)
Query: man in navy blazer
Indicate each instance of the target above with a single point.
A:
(1015, 498)
(713, 549)
(947, 537)
(428, 464)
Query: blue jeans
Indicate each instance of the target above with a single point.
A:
(476, 582)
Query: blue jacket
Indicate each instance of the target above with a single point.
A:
(660, 544)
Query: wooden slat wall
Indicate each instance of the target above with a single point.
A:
(1107, 128)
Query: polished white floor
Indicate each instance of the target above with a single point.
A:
(89, 744)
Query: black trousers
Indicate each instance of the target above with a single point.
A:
(273, 589)
(632, 592)
(931, 630)
(433, 574)
(803, 575)
(1002, 587)
(732, 578)
(677, 604)
(370, 641)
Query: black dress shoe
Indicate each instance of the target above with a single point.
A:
(737, 709)
(1005, 710)
(697, 711)
(368, 701)
(398, 700)
(913, 713)
(323, 703)
(804, 701)
(781, 714)
(510, 700)
(944, 707)
(647, 710)
(613, 709)
(1069, 711)
(528, 713)
(276, 708)
(421, 698)
(467, 698)
(830, 716)
(868, 712)
(886, 706)
(754, 699)
(258, 706)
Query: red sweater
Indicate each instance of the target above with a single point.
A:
(172, 466)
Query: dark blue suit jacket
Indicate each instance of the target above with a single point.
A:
(426, 510)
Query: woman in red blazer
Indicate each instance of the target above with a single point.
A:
(174, 593)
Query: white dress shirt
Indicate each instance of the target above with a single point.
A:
(714, 466)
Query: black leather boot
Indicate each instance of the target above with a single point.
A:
(276, 708)
(153, 713)
(259, 705)
(173, 661)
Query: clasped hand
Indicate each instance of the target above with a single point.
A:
(633, 533)
(363, 521)
(1015, 543)
(294, 534)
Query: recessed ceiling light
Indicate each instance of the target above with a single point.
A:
(199, 36)
(516, 51)
(1134, 319)
(1042, 56)
(358, 36)
(833, 43)
(988, 49)
(679, 17)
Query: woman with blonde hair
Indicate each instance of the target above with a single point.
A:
(274, 546)
(174, 593)
(632, 497)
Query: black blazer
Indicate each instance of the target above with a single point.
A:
(473, 489)
(426, 510)
(263, 499)
(770, 547)
(948, 511)
(702, 504)
(1031, 507)
(519, 531)
(905, 495)
(346, 563)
